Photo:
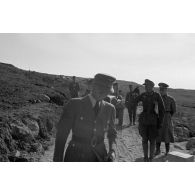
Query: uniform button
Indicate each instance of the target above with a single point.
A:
(81, 118)
(94, 130)
(94, 121)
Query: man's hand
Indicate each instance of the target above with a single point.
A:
(111, 156)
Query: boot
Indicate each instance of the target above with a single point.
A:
(157, 149)
(152, 148)
(146, 159)
(145, 149)
(167, 146)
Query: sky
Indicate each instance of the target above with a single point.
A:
(168, 58)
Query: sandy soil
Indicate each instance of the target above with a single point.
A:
(129, 145)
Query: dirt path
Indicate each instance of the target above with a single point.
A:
(129, 146)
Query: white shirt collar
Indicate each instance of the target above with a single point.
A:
(92, 99)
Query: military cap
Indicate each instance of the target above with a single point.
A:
(104, 80)
(163, 85)
(149, 82)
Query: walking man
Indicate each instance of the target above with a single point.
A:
(166, 132)
(74, 88)
(150, 120)
(89, 118)
(130, 103)
(120, 107)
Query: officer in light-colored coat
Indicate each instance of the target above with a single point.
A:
(90, 118)
(166, 132)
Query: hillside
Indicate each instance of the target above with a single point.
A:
(31, 103)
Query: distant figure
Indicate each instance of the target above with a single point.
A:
(166, 132)
(118, 103)
(74, 88)
(151, 119)
(89, 87)
(115, 86)
(89, 118)
(120, 107)
(130, 103)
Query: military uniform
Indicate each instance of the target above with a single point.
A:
(166, 132)
(150, 119)
(130, 104)
(89, 128)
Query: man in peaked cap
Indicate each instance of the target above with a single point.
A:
(89, 118)
(150, 120)
(166, 132)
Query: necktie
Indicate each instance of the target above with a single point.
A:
(96, 108)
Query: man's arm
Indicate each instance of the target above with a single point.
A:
(173, 107)
(127, 100)
(137, 100)
(112, 133)
(161, 108)
(63, 129)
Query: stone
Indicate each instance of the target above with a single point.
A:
(176, 156)
(57, 99)
(181, 132)
(192, 151)
(44, 98)
(43, 133)
(32, 125)
(37, 147)
(190, 144)
(21, 131)
(49, 125)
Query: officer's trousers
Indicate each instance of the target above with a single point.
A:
(132, 114)
(167, 147)
(149, 136)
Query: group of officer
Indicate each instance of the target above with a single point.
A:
(91, 118)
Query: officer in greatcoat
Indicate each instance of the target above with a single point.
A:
(166, 132)
(150, 120)
(90, 118)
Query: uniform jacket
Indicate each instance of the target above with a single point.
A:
(153, 108)
(78, 116)
(130, 99)
(166, 132)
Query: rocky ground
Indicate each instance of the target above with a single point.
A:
(31, 104)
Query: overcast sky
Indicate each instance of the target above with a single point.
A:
(166, 58)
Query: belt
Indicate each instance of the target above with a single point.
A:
(84, 140)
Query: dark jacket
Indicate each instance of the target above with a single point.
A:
(153, 109)
(130, 100)
(78, 116)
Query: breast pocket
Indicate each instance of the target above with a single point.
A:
(83, 123)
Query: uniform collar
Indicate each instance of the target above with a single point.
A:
(150, 93)
(92, 99)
